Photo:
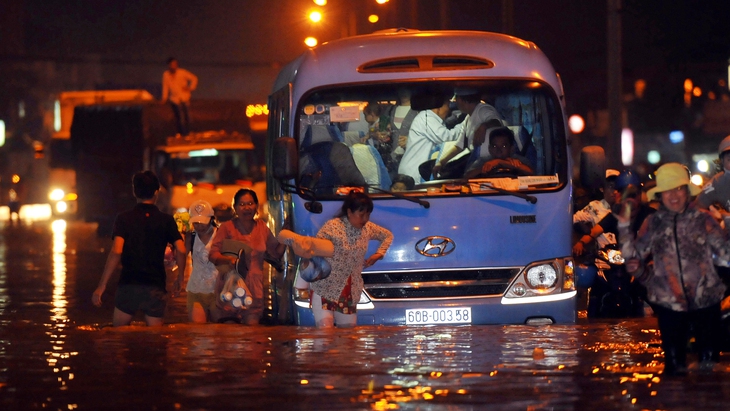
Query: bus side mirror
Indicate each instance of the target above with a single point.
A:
(285, 158)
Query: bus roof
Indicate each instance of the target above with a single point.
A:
(347, 60)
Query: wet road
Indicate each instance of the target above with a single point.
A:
(58, 352)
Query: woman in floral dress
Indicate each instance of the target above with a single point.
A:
(335, 298)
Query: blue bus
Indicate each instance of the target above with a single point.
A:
(472, 248)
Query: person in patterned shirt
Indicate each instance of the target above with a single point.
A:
(682, 285)
(334, 299)
(585, 219)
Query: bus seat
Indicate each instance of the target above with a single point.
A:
(517, 131)
(351, 137)
(326, 165)
(371, 165)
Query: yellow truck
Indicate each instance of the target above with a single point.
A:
(111, 141)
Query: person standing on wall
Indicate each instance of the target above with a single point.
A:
(177, 86)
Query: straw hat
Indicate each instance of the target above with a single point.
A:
(670, 176)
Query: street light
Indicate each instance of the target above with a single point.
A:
(320, 2)
(576, 124)
(315, 16)
(373, 18)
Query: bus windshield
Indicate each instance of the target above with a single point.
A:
(413, 137)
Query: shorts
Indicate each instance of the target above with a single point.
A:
(207, 300)
(151, 300)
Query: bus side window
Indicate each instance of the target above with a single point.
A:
(325, 166)
(315, 133)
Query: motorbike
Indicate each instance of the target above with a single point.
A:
(613, 293)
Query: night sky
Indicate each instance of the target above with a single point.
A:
(664, 41)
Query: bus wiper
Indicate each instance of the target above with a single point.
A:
(530, 199)
(423, 203)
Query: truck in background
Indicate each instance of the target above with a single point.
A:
(62, 194)
(112, 141)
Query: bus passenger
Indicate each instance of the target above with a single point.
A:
(427, 133)
(477, 113)
(502, 158)
(400, 118)
(378, 134)
(402, 182)
(334, 299)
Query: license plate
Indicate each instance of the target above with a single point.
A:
(449, 315)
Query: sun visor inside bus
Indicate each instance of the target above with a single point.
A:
(427, 101)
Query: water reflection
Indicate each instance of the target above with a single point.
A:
(59, 356)
(58, 228)
(4, 295)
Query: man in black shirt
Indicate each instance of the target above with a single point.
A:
(139, 238)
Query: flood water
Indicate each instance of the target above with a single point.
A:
(59, 352)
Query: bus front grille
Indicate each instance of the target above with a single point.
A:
(438, 283)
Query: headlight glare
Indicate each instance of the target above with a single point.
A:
(56, 195)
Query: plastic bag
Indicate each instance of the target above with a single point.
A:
(169, 260)
(234, 297)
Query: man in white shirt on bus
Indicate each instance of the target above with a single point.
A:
(427, 133)
(177, 85)
(478, 113)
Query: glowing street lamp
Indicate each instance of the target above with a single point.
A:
(320, 2)
(576, 124)
(381, 1)
(373, 18)
(315, 16)
(310, 41)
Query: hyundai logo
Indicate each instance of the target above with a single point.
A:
(435, 246)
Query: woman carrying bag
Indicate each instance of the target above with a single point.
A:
(254, 233)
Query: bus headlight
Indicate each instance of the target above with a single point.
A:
(542, 277)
